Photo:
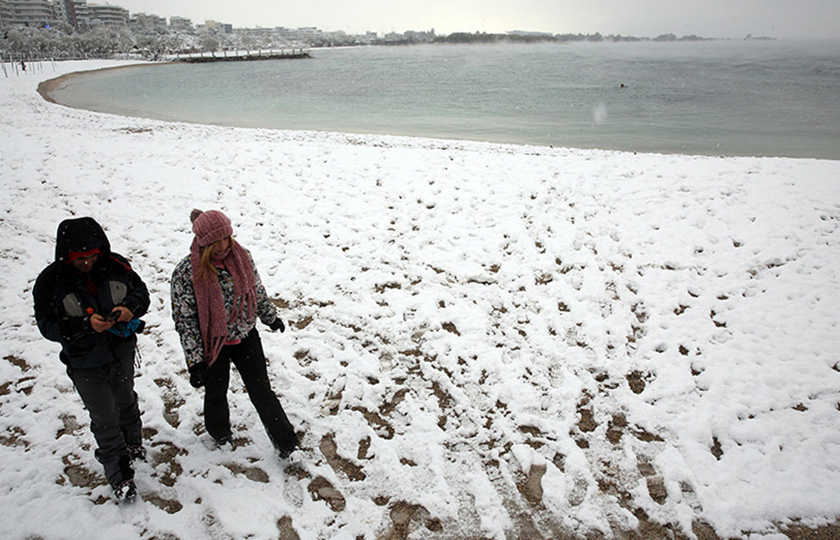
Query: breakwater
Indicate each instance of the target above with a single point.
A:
(241, 56)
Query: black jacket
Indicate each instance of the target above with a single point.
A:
(65, 297)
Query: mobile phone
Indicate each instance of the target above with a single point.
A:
(113, 316)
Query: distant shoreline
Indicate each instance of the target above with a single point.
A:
(46, 88)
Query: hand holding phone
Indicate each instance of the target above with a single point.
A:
(100, 323)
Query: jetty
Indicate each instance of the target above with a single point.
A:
(242, 56)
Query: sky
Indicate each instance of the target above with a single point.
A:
(783, 19)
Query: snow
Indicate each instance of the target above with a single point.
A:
(485, 340)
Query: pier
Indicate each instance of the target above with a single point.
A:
(242, 56)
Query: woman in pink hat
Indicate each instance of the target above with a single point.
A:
(217, 296)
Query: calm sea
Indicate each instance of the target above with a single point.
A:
(730, 98)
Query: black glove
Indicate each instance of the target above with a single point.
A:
(277, 325)
(197, 373)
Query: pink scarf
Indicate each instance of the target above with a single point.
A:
(213, 320)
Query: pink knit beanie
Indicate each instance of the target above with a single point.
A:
(210, 226)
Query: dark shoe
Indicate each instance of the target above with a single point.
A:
(136, 452)
(223, 441)
(286, 451)
(126, 492)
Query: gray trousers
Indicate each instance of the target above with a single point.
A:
(108, 395)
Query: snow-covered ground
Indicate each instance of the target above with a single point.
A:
(486, 341)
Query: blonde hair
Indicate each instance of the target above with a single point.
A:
(205, 261)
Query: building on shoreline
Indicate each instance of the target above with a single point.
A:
(27, 12)
(48, 13)
(180, 24)
(108, 15)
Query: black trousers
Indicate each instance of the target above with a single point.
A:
(108, 395)
(249, 359)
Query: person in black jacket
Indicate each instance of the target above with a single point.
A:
(89, 300)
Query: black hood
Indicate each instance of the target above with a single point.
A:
(80, 234)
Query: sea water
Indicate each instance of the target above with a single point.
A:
(730, 98)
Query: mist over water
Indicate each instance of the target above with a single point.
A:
(730, 98)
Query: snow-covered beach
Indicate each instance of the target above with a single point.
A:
(486, 341)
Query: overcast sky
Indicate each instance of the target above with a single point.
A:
(644, 18)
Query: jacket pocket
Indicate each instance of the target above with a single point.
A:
(119, 291)
(72, 306)
(80, 349)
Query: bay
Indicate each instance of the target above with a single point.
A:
(729, 98)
